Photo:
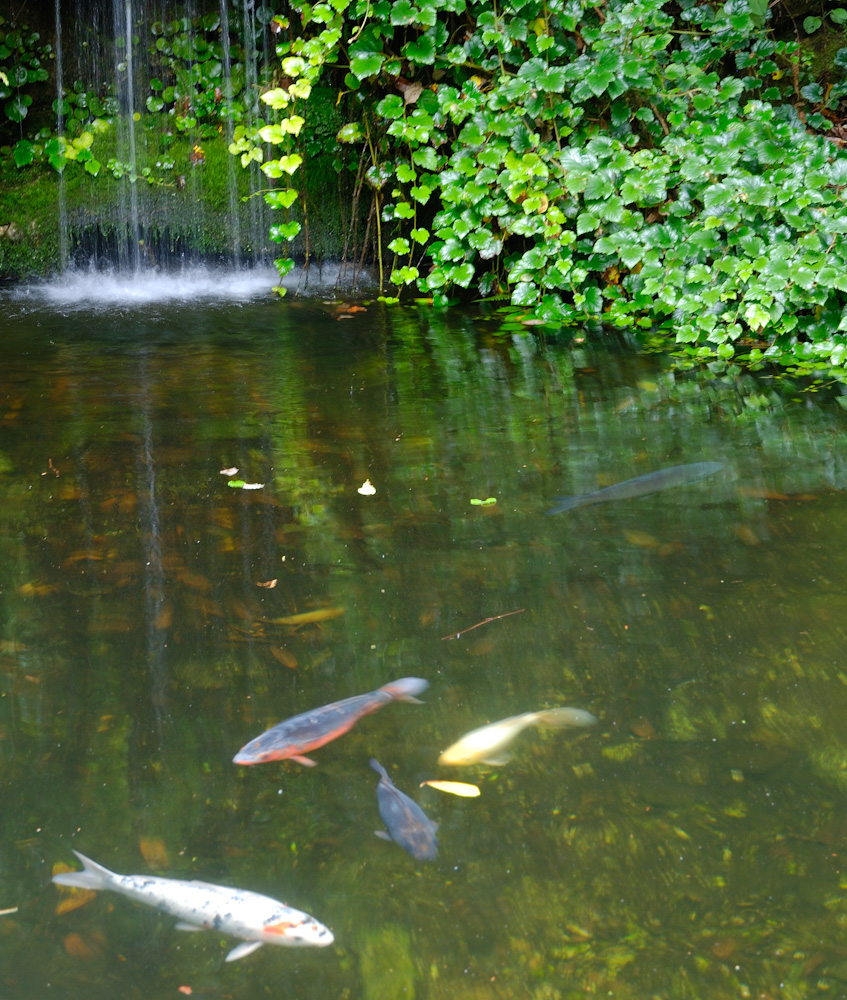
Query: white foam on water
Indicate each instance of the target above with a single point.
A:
(94, 289)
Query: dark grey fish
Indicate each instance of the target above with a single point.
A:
(408, 825)
(652, 482)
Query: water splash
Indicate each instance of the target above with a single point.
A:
(96, 289)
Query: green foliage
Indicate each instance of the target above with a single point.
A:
(22, 59)
(187, 58)
(614, 162)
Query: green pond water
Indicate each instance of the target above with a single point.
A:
(691, 845)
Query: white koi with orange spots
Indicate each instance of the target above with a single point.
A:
(198, 905)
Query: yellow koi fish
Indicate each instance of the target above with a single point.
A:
(486, 744)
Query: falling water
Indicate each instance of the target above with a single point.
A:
(227, 93)
(131, 247)
(151, 204)
(60, 129)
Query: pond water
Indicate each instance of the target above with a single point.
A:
(690, 844)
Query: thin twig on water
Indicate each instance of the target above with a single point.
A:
(485, 621)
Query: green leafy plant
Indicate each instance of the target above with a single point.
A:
(615, 162)
(22, 58)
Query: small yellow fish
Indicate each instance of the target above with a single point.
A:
(454, 788)
(486, 744)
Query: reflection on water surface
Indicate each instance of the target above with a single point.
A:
(689, 845)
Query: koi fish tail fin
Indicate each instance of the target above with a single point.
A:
(561, 504)
(405, 689)
(93, 876)
(380, 770)
(566, 718)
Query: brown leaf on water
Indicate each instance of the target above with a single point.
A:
(482, 647)
(284, 657)
(195, 580)
(72, 899)
(744, 533)
(36, 589)
(723, 947)
(80, 556)
(79, 947)
(105, 723)
(643, 728)
(154, 852)
(309, 617)
(641, 539)
(242, 611)
(268, 584)
(164, 618)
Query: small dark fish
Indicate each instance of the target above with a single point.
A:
(652, 482)
(310, 730)
(408, 825)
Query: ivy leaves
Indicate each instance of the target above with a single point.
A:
(598, 162)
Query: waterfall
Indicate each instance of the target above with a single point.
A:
(229, 132)
(60, 129)
(167, 193)
(130, 247)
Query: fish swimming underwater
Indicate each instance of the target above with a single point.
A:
(293, 737)
(486, 744)
(198, 905)
(408, 825)
(651, 482)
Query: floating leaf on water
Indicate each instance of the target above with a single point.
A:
(36, 589)
(454, 788)
(72, 898)
(164, 618)
(286, 658)
(309, 617)
(196, 581)
(267, 584)
(76, 946)
(154, 852)
(367, 489)
(252, 486)
(8, 910)
(229, 472)
(484, 503)
(641, 539)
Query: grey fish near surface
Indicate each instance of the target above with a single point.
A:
(408, 825)
(651, 482)
(291, 738)
(198, 905)
(487, 744)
